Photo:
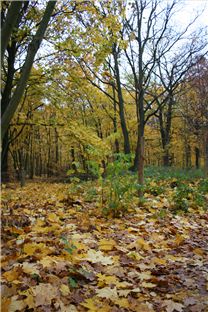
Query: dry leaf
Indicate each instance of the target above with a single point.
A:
(107, 292)
(44, 293)
(107, 244)
(97, 256)
(172, 306)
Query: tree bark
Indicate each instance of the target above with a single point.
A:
(4, 158)
(115, 120)
(197, 157)
(206, 154)
(32, 50)
(141, 165)
(127, 149)
(165, 120)
(9, 24)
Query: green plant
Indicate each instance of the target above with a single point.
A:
(72, 282)
(181, 197)
(118, 187)
(153, 188)
(90, 194)
(203, 186)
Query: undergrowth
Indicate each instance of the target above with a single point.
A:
(116, 192)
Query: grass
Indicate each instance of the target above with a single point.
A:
(163, 173)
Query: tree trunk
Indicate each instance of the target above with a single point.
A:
(4, 158)
(73, 160)
(165, 129)
(197, 157)
(141, 165)
(21, 170)
(166, 157)
(9, 24)
(56, 146)
(134, 168)
(127, 149)
(32, 50)
(115, 120)
(188, 155)
(206, 154)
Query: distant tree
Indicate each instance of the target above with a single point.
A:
(195, 106)
(172, 73)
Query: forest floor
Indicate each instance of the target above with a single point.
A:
(59, 253)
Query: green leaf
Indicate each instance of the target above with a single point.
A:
(72, 282)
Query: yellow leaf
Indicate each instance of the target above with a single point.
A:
(198, 251)
(13, 274)
(65, 291)
(52, 217)
(158, 261)
(135, 255)
(30, 301)
(90, 305)
(122, 303)
(141, 243)
(179, 240)
(107, 244)
(105, 279)
(31, 249)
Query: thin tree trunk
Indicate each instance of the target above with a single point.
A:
(115, 120)
(206, 154)
(127, 149)
(141, 165)
(197, 157)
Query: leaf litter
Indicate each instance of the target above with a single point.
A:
(61, 256)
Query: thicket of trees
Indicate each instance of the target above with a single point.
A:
(110, 77)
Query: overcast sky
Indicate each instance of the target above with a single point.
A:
(190, 8)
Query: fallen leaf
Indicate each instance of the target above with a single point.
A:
(64, 289)
(52, 217)
(148, 285)
(16, 305)
(173, 306)
(107, 244)
(97, 256)
(13, 274)
(31, 248)
(107, 292)
(122, 303)
(90, 305)
(44, 293)
(146, 275)
(30, 268)
(105, 279)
